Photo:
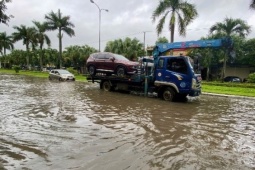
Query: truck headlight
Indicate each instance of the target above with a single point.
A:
(194, 83)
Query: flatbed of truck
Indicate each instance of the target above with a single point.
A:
(102, 77)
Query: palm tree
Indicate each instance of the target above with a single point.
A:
(28, 35)
(228, 28)
(4, 18)
(55, 21)
(182, 12)
(41, 37)
(6, 43)
(252, 5)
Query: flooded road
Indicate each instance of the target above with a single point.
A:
(74, 125)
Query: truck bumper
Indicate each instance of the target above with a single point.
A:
(194, 93)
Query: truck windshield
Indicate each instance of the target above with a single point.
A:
(177, 65)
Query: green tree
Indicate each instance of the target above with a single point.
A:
(181, 13)
(252, 5)
(76, 56)
(41, 38)
(56, 21)
(51, 57)
(130, 48)
(6, 43)
(249, 52)
(4, 18)
(228, 28)
(17, 57)
(28, 35)
(162, 40)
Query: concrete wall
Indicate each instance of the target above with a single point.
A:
(241, 72)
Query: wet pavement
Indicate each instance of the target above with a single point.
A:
(73, 125)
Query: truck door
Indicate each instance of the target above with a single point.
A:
(174, 70)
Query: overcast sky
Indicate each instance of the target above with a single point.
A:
(126, 18)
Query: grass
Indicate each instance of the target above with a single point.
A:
(239, 91)
(39, 74)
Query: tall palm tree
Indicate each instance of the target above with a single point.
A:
(180, 11)
(6, 43)
(252, 5)
(4, 18)
(42, 38)
(55, 21)
(28, 35)
(228, 28)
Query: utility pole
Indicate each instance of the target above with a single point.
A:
(144, 47)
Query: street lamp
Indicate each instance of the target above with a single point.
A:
(100, 9)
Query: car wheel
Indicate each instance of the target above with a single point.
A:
(92, 70)
(168, 94)
(120, 71)
(106, 86)
(60, 79)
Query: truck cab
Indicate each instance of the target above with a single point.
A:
(177, 72)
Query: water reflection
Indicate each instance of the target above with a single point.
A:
(72, 125)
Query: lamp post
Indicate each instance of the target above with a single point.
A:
(100, 10)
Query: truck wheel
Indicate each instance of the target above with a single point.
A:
(106, 86)
(92, 70)
(120, 71)
(168, 94)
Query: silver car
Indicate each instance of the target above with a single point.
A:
(61, 75)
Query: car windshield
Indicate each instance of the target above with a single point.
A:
(63, 72)
(120, 57)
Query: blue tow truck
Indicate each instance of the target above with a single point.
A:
(169, 77)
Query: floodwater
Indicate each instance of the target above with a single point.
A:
(74, 125)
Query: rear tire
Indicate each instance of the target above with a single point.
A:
(106, 86)
(120, 71)
(168, 94)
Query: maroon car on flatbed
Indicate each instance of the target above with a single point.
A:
(110, 63)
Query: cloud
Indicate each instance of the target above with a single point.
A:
(125, 18)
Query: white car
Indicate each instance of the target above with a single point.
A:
(61, 75)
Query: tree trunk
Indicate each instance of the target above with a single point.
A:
(172, 36)
(4, 58)
(40, 58)
(60, 48)
(27, 56)
(207, 73)
(224, 67)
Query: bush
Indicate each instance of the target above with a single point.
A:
(251, 78)
(16, 68)
(74, 72)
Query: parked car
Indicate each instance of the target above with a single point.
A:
(61, 75)
(232, 79)
(110, 63)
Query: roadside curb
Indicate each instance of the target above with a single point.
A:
(228, 96)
